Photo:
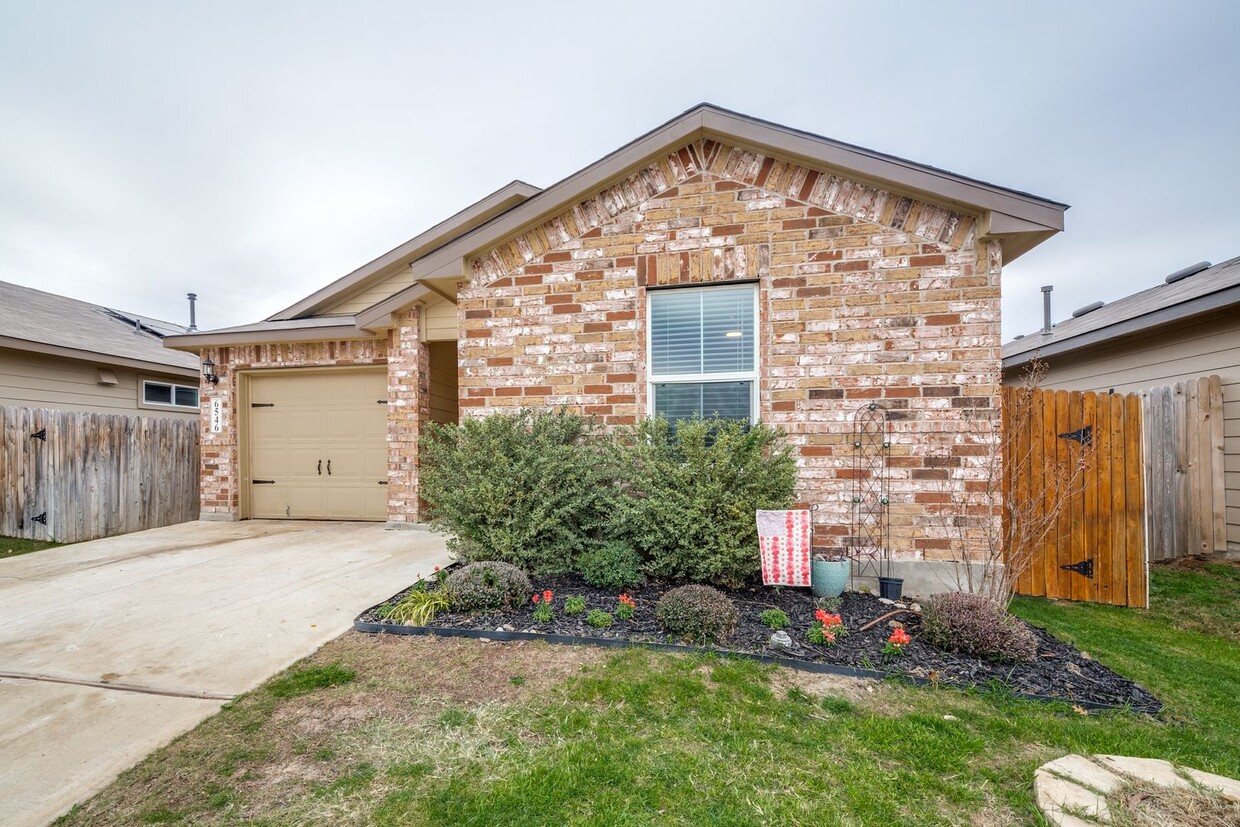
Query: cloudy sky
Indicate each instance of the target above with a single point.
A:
(254, 151)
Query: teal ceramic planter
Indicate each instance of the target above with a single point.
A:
(829, 578)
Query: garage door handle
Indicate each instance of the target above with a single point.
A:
(383, 482)
(329, 468)
(320, 468)
(264, 482)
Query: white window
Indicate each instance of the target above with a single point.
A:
(703, 352)
(169, 395)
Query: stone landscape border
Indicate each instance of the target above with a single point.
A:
(371, 627)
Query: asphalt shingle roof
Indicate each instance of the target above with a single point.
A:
(46, 318)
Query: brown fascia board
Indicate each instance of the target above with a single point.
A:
(1128, 327)
(194, 342)
(1039, 217)
(467, 219)
(94, 358)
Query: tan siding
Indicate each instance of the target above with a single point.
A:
(34, 380)
(372, 295)
(443, 381)
(1210, 346)
(440, 319)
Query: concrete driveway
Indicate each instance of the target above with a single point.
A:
(111, 648)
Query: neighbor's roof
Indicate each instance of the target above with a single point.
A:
(1203, 292)
(313, 329)
(33, 320)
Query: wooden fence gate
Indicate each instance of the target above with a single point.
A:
(69, 476)
(1074, 475)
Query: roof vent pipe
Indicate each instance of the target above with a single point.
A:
(1046, 309)
(1089, 308)
(1191, 270)
(193, 297)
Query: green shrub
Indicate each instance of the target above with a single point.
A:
(611, 565)
(976, 625)
(599, 619)
(530, 489)
(574, 605)
(487, 585)
(418, 608)
(697, 613)
(692, 491)
(774, 618)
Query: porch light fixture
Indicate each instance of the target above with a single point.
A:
(208, 371)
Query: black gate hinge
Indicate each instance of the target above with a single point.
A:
(1085, 567)
(40, 434)
(39, 518)
(1085, 435)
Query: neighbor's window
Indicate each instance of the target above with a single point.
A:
(703, 354)
(165, 393)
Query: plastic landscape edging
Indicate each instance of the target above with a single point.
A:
(371, 627)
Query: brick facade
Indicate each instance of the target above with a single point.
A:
(864, 295)
(405, 357)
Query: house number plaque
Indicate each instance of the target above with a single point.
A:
(217, 416)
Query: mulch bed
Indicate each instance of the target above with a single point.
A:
(1059, 672)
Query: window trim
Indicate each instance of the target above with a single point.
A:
(751, 376)
(143, 381)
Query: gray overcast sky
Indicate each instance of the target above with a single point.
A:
(254, 151)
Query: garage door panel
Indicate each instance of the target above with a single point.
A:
(319, 417)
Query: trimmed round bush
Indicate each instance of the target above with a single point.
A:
(697, 613)
(976, 625)
(611, 565)
(487, 585)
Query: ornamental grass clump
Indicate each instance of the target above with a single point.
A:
(487, 585)
(974, 624)
(699, 614)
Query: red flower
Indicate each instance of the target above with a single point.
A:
(436, 568)
(535, 598)
(547, 595)
(628, 601)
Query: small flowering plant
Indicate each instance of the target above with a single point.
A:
(896, 643)
(542, 606)
(827, 629)
(625, 607)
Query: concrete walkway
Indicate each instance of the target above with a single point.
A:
(170, 622)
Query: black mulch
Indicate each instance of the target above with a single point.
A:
(1060, 670)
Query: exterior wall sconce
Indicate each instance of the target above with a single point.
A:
(208, 371)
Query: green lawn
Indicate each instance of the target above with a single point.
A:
(390, 731)
(16, 546)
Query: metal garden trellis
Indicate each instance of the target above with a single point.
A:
(871, 501)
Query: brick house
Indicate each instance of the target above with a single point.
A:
(716, 264)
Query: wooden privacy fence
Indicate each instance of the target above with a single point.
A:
(1074, 475)
(70, 476)
(1184, 454)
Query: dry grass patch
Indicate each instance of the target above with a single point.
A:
(1149, 805)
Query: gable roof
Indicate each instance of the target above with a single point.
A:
(1212, 289)
(42, 322)
(1017, 219)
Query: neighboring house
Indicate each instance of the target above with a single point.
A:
(65, 354)
(1183, 329)
(716, 264)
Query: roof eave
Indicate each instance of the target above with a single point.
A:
(94, 357)
(194, 342)
(483, 210)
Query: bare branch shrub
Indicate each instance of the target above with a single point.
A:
(995, 528)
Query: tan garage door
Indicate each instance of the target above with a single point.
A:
(318, 445)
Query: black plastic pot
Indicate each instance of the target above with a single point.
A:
(890, 588)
